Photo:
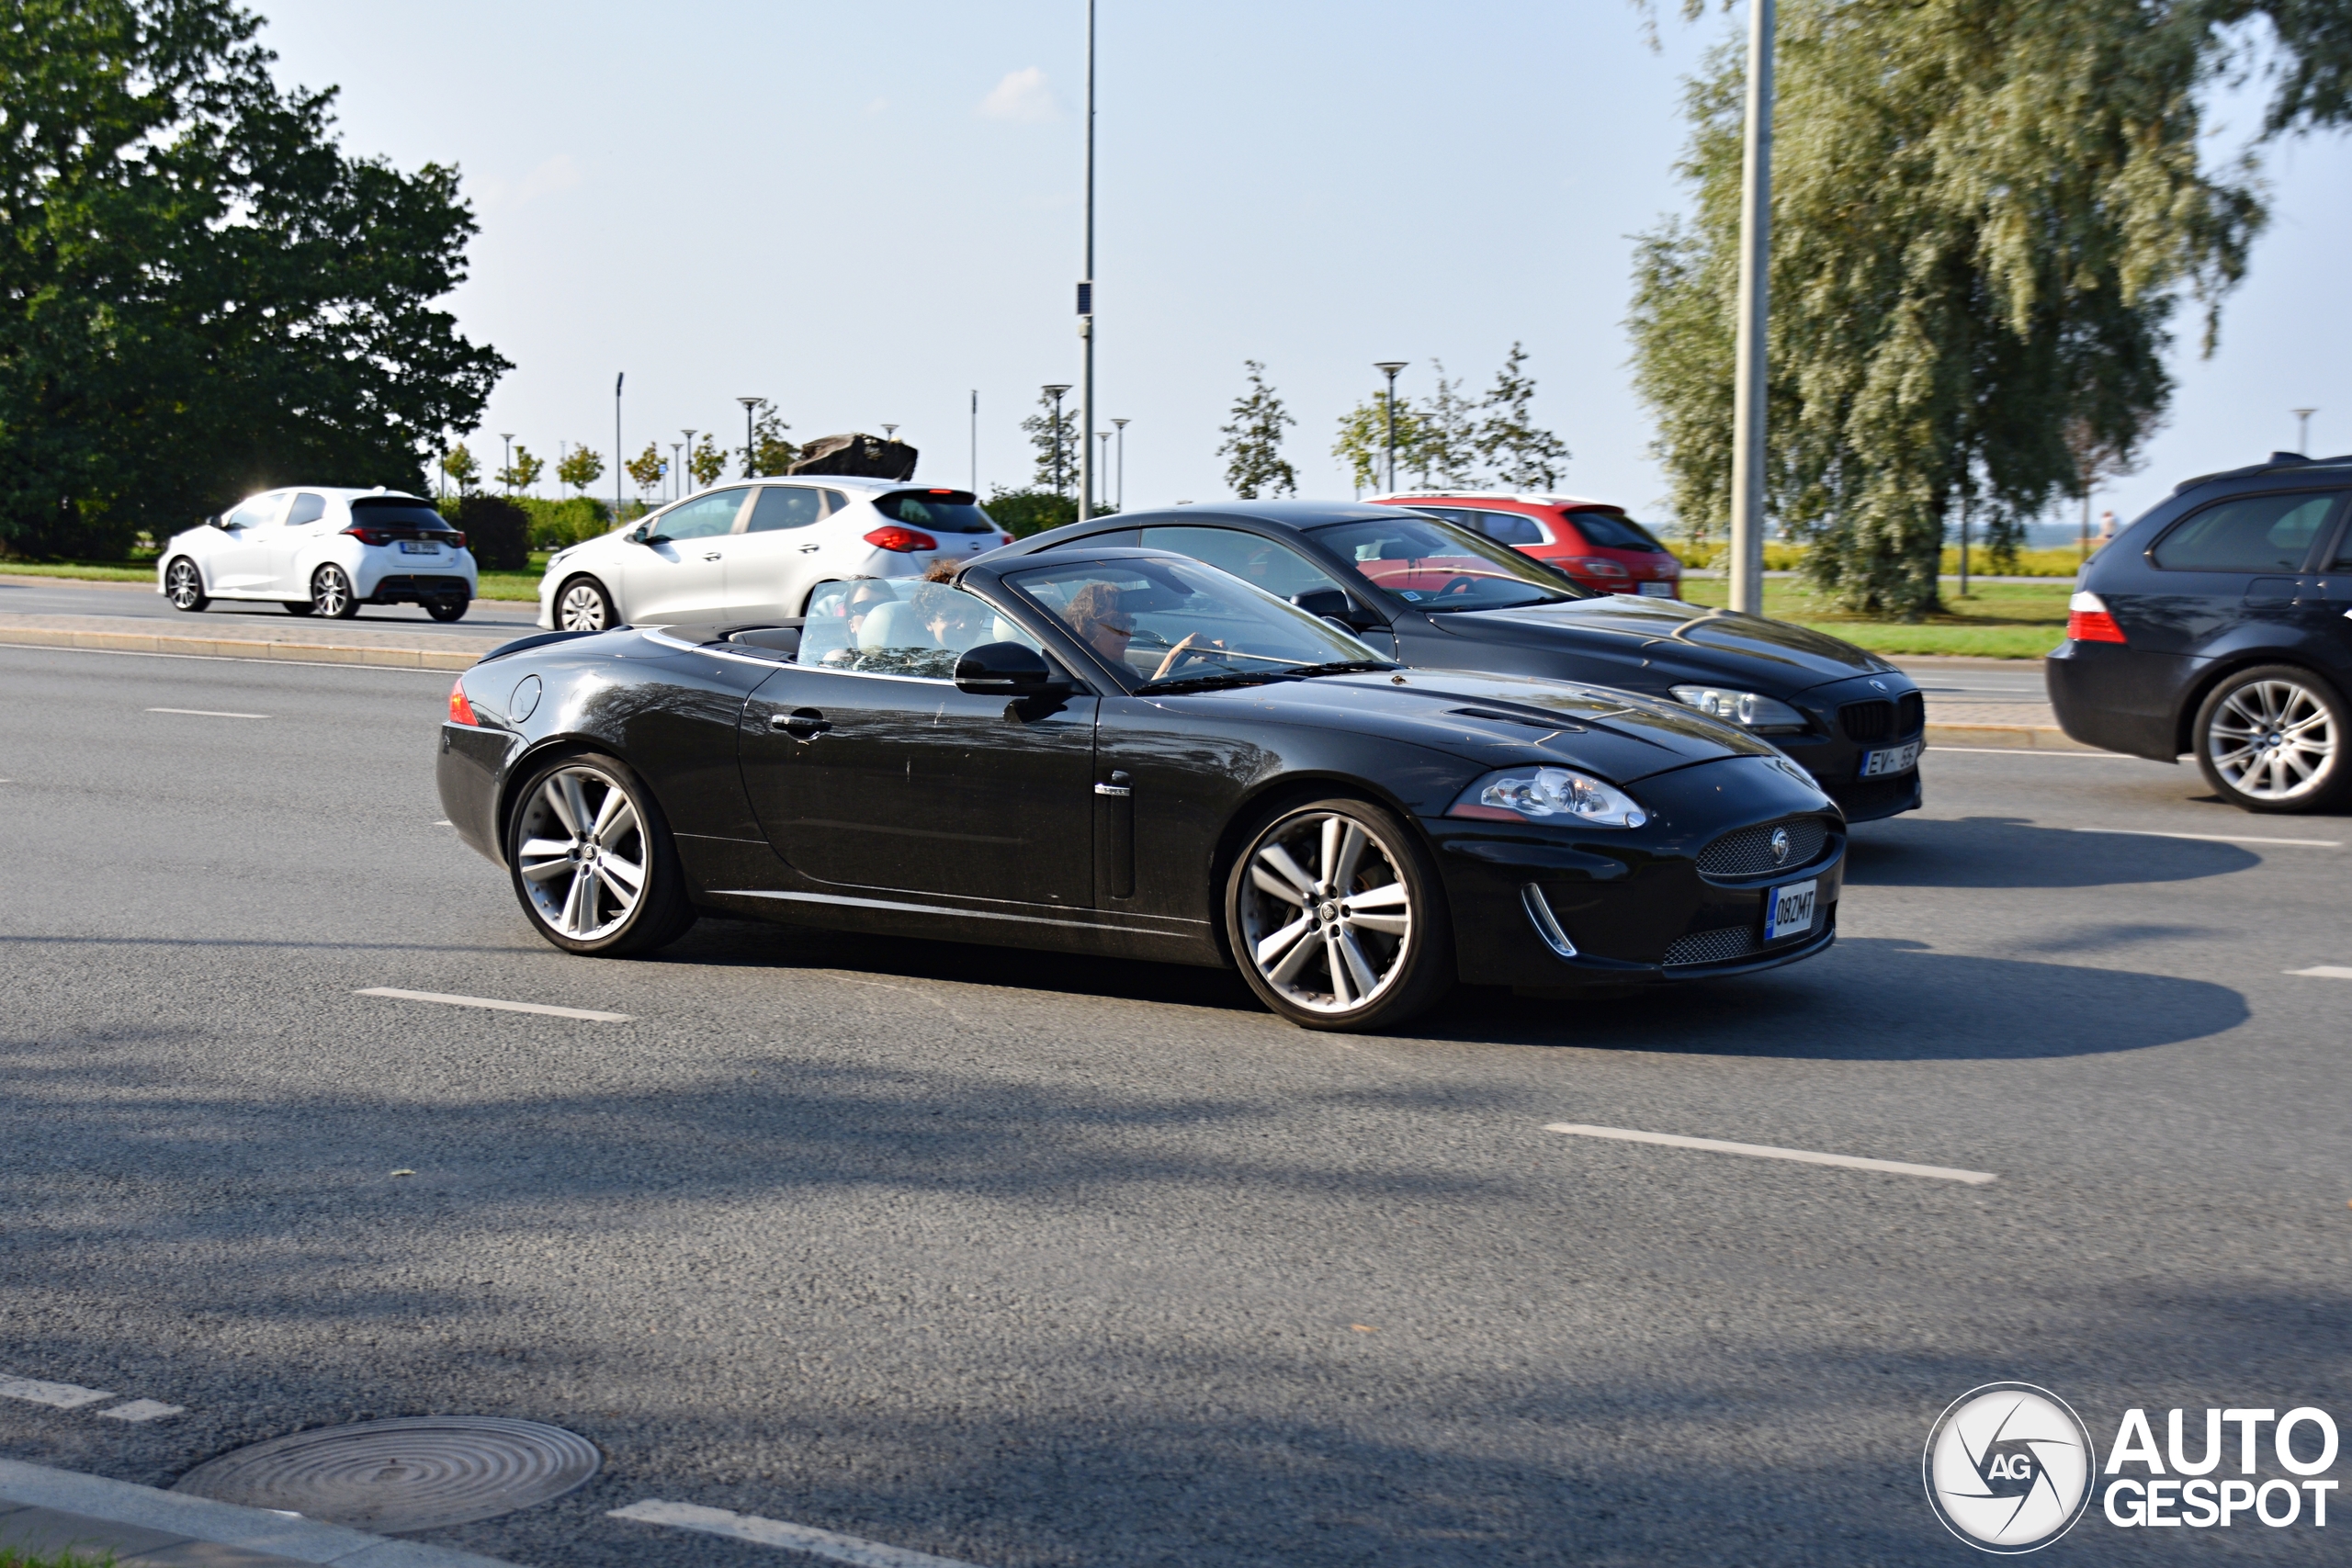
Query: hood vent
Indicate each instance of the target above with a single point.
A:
(1501, 716)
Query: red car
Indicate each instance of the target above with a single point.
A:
(1593, 541)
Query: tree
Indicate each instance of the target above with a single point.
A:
(1521, 457)
(202, 293)
(581, 467)
(1446, 452)
(1055, 436)
(523, 472)
(463, 468)
(771, 453)
(645, 471)
(1254, 442)
(706, 463)
(1985, 214)
(1362, 444)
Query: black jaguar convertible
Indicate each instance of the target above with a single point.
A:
(1126, 752)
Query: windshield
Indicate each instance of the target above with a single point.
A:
(937, 511)
(1614, 531)
(1178, 622)
(1435, 566)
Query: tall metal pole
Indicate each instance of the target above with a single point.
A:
(677, 471)
(749, 404)
(1754, 263)
(2303, 439)
(1120, 425)
(686, 467)
(1086, 299)
(976, 441)
(616, 444)
(508, 478)
(1388, 470)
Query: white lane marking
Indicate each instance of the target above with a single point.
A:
(2324, 972)
(2218, 837)
(776, 1532)
(62, 1395)
(144, 1410)
(2031, 751)
(444, 822)
(493, 1004)
(208, 712)
(1766, 1151)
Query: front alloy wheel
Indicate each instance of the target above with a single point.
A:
(1336, 919)
(583, 605)
(331, 594)
(184, 585)
(2272, 738)
(592, 861)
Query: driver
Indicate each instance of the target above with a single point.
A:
(1094, 613)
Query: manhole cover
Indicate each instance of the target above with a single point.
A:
(413, 1473)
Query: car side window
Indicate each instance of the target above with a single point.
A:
(255, 513)
(307, 508)
(783, 506)
(1279, 569)
(2251, 532)
(704, 518)
(1509, 527)
(835, 501)
(900, 627)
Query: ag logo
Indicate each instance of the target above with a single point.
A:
(2008, 1468)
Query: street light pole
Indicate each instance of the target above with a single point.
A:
(1055, 391)
(1388, 472)
(677, 472)
(1086, 298)
(1120, 425)
(684, 474)
(889, 432)
(749, 404)
(1755, 265)
(976, 442)
(507, 477)
(1104, 438)
(2303, 439)
(616, 444)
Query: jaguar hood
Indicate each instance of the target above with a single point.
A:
(1676, 638)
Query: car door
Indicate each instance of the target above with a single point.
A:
(239, 563)
(2232, 575)
(679, 573)
(285, 547)
(1271, 564)
(769, 561)
(886, 778)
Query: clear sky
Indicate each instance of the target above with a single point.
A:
(867, 212)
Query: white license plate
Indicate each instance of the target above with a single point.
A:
(1655, 589)
(1788, 911)
(1878, 764)
(419, 548)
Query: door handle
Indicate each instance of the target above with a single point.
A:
(811, 549)
(713, 555)
(801, 724)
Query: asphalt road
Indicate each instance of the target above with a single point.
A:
(1023, 1260)
(28, 596)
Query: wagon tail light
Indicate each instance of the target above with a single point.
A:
(460, 710)
(894, 537)
(1593, 566)
(2088, 620)
(368, 535)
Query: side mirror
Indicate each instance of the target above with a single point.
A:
(1005, 670)
(222, 523)
(1332, 604)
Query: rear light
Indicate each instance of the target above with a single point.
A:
(2088, 620)
(1593, 566)
(460, 710)
(457, 541)
(368, 535)
(894, 537)
(1007, 538)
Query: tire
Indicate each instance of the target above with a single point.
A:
(184, 585)
(448, 609)
(2275, 738)
(570, 850)
(1280, 885)
(583, 605)
(331, 594)
(297, 606)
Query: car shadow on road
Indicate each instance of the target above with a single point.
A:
(2007, 852)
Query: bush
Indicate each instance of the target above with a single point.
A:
(557, 524)
(1022, 513)
(497, 530)
(72, 531)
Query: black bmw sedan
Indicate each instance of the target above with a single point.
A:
(2217, 625)
(1436, 596)
(1126, 753)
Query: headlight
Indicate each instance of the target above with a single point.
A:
(1547, 794)
(1750, 710)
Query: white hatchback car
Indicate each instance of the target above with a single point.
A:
(323, 552)
(759, 548)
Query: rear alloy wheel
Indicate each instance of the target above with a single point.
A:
(594, 862)
(583, 605)
(448, 608)
(184, 585)
(331, 594)
(1337, 919)
(2273, 739)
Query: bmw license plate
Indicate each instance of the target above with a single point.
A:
(1879, 765)
(1788, 911)
(419, 548)
(1655, 589)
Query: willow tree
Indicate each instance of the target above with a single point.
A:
(1986, 216)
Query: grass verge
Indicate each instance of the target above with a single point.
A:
(1997, 620)
(12, 1558)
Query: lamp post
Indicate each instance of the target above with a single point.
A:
(1755, 265)
(1120, 425)
(1055, 390)
(749, 404)
(616, 444)
(507, 477)
(1104, 438)
(976, 441)
(2303, 435)
(889, 432)
(683, 475)
(1086, 297)
(1388, 470)
(677, 472)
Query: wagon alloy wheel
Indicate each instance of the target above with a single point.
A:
(592, 859)
(1332, 917)
(184, 585)
(2271, 739)
(331, 594)
(583, 606)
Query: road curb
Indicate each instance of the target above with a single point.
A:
(145, 1509)
(233, 647)
(2005, 736)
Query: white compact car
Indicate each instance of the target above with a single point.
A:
(323, 552)
(759, 548)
